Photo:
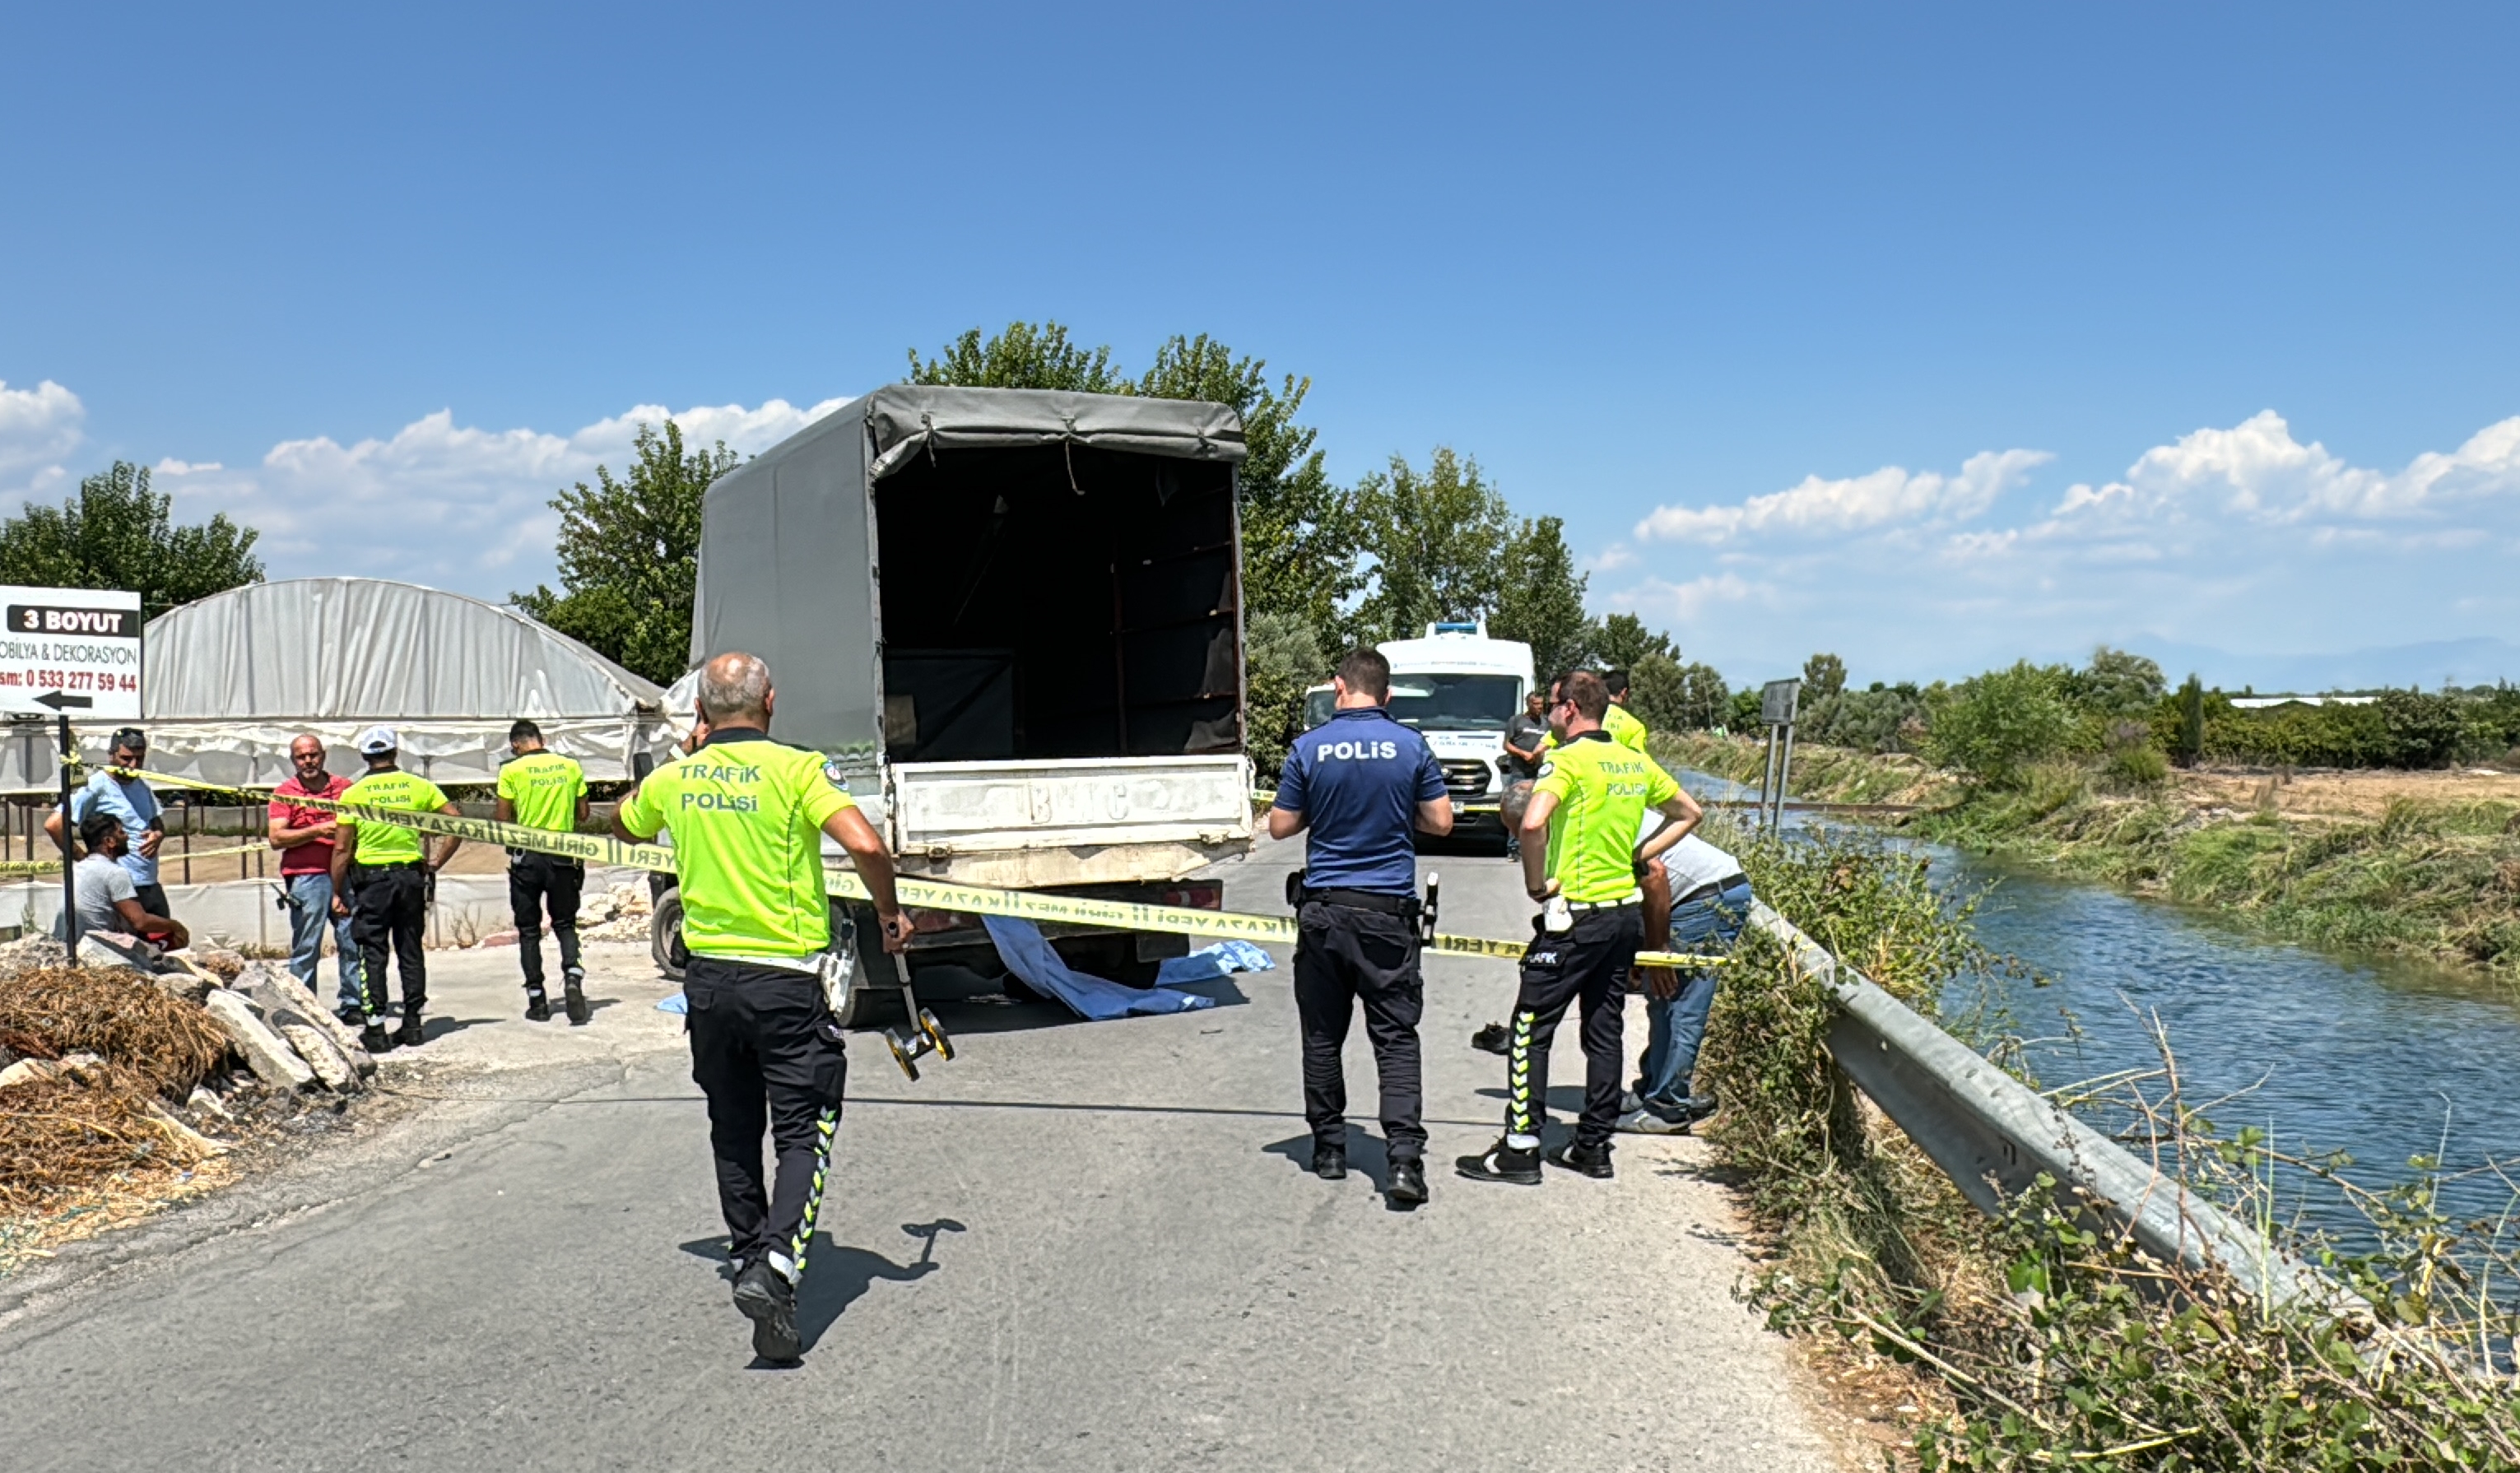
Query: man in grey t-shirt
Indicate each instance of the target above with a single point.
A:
(108, 897)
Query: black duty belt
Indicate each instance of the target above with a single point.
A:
(1403, 905)
(395, 865)
(1711, 889)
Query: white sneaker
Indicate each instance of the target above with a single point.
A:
(1630, 1102)
(1644, 1121)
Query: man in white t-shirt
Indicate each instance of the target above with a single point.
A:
(1710, 904)
(108, 899)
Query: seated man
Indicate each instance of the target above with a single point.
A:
(108, 899)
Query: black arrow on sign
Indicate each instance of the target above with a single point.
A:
(60, 703)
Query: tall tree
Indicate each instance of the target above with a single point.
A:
(629, 555)
(1540, 600)
(1437, 540)
(1823, 676)
(1022, 356)
(118, 533)
(1624, 642)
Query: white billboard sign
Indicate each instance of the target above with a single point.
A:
(69, 652)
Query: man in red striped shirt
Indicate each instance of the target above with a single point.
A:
(305, 838)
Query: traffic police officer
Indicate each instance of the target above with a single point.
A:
(749, 816)
(1360, 783)
(1581, 860)
(539, 788)
(1624, 727)
(381, 877)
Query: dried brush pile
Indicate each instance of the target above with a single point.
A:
(62, 1135)
(139, 1027)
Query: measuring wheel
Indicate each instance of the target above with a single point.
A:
(905, 1050)
(935, 1032)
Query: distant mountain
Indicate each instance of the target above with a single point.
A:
(2479, 662)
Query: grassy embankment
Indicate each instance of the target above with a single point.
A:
(2366, 861)
(2034, 1341)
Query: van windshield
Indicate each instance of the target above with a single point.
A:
(1319, 707)
(1456, 702)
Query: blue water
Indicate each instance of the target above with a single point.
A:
(2383, 1060)
(2379, 1058)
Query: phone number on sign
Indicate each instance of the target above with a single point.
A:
(70, 680)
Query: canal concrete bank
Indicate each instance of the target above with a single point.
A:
(1076, 1246)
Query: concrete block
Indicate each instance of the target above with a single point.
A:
(184, 983)
(28, 1071)
(277, 998)
(264, 1052)
(102, 949)
(223, 964)
(320, 1055)
(30, 953)
(166, 1121)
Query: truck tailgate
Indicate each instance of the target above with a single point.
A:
(941, 810)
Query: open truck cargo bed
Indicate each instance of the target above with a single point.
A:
(1012, 617)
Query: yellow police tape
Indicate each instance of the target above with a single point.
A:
(975, 900)
(53, 865)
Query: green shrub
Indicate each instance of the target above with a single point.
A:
(1993, 726)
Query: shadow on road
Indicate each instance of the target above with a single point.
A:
(435, 1029)
(838, 1275)
(1366, 1154)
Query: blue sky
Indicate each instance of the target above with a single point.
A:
(1810, 322)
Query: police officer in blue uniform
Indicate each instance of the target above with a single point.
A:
(1361, 785)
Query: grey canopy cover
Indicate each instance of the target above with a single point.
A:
(787, 541)
(229, 681)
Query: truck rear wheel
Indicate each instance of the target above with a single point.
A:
(665, 935)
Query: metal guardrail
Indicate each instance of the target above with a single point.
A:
(1994, 1136)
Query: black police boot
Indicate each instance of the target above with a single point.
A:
(1591, 1160)
(1408, 1181)
(766, 1298)
(373, 1037)
(1329, 1162)
(537, 1006)
(1501, 1162)
(1493, 1039)
(411, 1034)
(574, 996)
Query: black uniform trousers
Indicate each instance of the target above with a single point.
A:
(1589, 962)
(766, 1053)
(536, 881)
(390, 904)
(1345, 955)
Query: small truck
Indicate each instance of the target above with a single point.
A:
(1012, 621)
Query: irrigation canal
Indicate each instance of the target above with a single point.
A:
(2380, 1058)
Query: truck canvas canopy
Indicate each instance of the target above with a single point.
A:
(972, 575)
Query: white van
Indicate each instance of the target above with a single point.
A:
(1459, 688)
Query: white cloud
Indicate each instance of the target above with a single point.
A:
(2257, 470)
(458, 506)
(1889, 495)
(1684, 603)
(39, 427)
(2245, 537)
(437, 502)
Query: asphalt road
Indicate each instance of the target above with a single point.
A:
(1079, 1246)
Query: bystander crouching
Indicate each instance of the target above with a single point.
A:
(120, 791)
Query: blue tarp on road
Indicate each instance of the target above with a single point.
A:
(1020, 946)
(1224, 959)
